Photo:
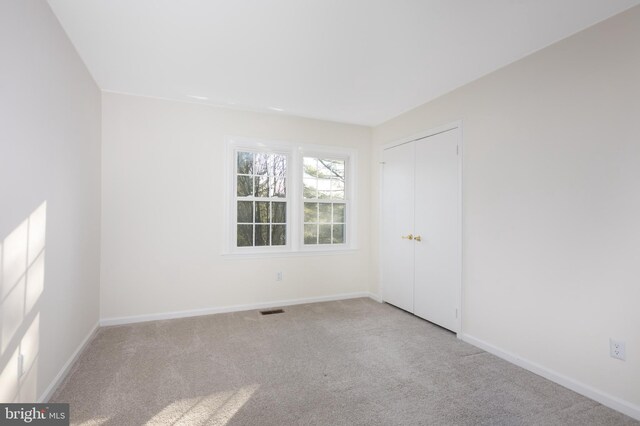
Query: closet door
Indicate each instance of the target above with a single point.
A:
(437, 264)
(396, 245)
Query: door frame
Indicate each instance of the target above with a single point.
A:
(413, 138)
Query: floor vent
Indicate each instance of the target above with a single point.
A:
(273, 311)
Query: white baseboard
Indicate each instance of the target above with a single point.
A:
(625, 407)
(235, 308)
(375, 297)
(62, 374)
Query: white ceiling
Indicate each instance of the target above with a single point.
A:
(355, 61)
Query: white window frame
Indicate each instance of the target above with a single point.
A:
(295, 153)
(348, 195)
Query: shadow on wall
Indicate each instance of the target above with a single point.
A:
(21, 284)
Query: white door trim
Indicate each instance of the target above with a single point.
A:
(416, 137)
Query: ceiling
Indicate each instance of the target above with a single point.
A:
(353, 61)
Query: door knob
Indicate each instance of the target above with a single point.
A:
(418, 238)
(408, 237)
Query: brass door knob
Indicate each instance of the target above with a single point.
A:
(408, 237)
(418, 238)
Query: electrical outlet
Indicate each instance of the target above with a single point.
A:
(617, 349)
(279, 276)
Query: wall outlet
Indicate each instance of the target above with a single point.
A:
(278, 276)
(617, 349)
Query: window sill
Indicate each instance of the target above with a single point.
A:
(290, 253)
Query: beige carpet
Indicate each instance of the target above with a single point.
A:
(354, 362)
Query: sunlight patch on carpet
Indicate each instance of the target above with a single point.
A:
(215, 409)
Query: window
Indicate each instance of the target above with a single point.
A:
(324, 201)
(289, 198)
(261, 199)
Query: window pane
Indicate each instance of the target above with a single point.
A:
(338, 213)
(310, 167)
(245, 163)
(245, 235)
(337, 185)
(325, 212)
(324, 188)
(324, 168)
(338, 234)
(262, 187)
(337, 195)
(261, 175)
(262, 235)
(278, 235)
(279, 212)
(324, 234)
(311, 234)
(277, 165)
(310, 212)
(261, 164)
(262, 212)
(245, 212)
(338, 169)
(245, 186)
(279, 187)
(310, 188)
(324, 184)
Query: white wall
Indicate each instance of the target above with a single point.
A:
(163, 208)
(552, 203)
(49, 199)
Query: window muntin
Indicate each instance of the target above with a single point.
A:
(261, 198)
(325, 204)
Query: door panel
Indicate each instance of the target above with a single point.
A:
(397, 221)
(437, 274)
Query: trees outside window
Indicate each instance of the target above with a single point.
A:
(261, 199)
(324, 201)
(289, 198)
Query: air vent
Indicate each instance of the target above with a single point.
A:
(272, 311)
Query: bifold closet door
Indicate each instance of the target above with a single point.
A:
(397, 253)
(420, 222)
(437, 267)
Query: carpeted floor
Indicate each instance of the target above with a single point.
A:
(353, 362)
